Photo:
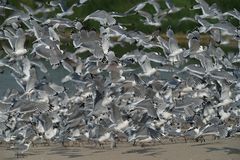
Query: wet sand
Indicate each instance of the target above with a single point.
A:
(225, 149)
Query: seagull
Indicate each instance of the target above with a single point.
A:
(172, 8)
(60, 3)
(16, 41)
(145, 64)
(208, 11)
(174, 50)
(174, 83)
(153, 20)
(11, 65)
(136, 8)
(103, 17)
(225, 27)
(24, 106)
(149, 106)
(119, 123)
(19, 44)
(233, 13)
(5, 6)
(206, 26)
(116, 71)
(21, 148)
(194, 43)
(146, 134)
(157, 8)
(60, 23)
(67, 12)
(53, 54)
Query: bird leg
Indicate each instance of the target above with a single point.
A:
(200, 138)
(48, 142)
(215, 137)
(17, 155)
(172, 140)
(33, 144)
(79, 142)
(185, 139)
(134, 143)
(101, 145)
(63, 143)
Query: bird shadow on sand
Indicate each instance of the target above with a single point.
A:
(145, 151)
(66, 152)
(228, 150)
(14, 157)
(204, 144)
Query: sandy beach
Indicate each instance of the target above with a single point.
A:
(224, 149)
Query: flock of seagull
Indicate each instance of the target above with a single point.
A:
(142, 96)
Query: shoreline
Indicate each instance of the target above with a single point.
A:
(222, 149)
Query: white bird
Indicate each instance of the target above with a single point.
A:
(234, 13)
(152, 20)
(103, 17)
(208, 11)
(145, 64)
(50, 133)
(172, 8)
(19, 48)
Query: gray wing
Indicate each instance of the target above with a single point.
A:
(101, 16)
(20, 40)
(115, 113)
(32, 80)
